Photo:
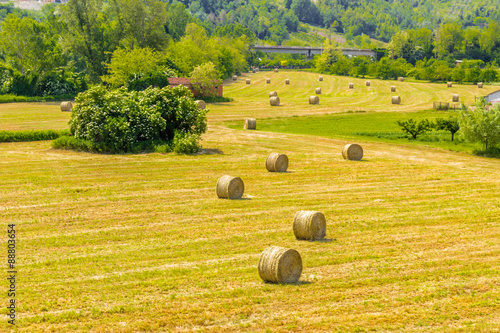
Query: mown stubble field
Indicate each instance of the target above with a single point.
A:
(137, 243)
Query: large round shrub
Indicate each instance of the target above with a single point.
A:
(121, 120)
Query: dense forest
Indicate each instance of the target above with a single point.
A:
(135, 43)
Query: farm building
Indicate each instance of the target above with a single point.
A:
(175, 81)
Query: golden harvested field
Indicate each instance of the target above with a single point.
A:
(141, 243)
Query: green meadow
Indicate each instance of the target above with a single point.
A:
(141, 243)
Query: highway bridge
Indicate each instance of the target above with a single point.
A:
(310, 51)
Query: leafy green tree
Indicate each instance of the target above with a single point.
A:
(414, 128)
(481, 124)
(451, 125)
(206, 79)
(178, 18)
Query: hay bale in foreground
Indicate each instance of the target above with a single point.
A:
(274, 101)
(229, 187)
(200, 104)
(277, 162)
(250, 124)
(479, 84)
(280, 265)
(313, 100)
(272, 94)
(309, 225)
(235, 78)
(401, 79)
(396, 100)
(287, 81)
(393, 88)
(351, 85)
(368, 83)
(317, 91)
(247, 81)
(449, 84)
(66, 106)
(352, 152)
(455, 98)
(321, 78)
(268, 80)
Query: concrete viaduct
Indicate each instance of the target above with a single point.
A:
(309, 52)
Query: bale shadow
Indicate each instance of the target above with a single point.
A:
(324, 240)
(210, 151)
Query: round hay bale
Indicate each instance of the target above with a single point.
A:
(352, 152)
(309, 225)
(250, 124)
(313, 100)
(235, 78)
(351, 85)
(280, 265)
(317, 91)
(200, 104)
(277, 162)
(66, 106)
(479, 84)
(247, 81)
(396, 100)
(368, 83)
(287, 81)
(321, 78)
(401, 79)
(274, 101)
(393, 88)
(276, 70)
(268, 80)
(254, 70)
(229, 187)
(272, 94)
(455, 98)
(449, 84)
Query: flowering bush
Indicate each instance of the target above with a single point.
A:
(121, 120)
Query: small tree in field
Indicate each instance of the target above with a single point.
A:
(415, 128)
(451, 125)
(205, 78)
(478, 124)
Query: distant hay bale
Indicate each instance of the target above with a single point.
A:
(274, 101)
(257, 70)
(287, 81)
(247, 81)
(250, 124)
(479, 84)
(449, 84)
(317, 91)
(268, 80)
(229, 187)
(280, 265)
(309, 225)
(235, 78)
(276, 70)
(313, 100)
(351, 85)
(368, 83)
(321, 78)
(455, 98)
(66, 106)
(352, 152)
(254, 70)
(393, 88)
(401, 79)
(272, 94)
(277, 162)
(396, 99)
(200, 104)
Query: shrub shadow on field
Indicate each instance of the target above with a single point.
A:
(210, 151)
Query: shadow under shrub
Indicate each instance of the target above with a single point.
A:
(32, 135)
(123, 121)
